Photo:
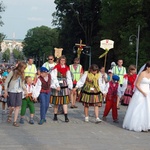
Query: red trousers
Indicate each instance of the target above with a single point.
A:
(111, 104)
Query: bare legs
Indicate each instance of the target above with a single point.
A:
(65, 108)
(73, 97)
(96, 111)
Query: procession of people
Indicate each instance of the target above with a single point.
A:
(55, 84)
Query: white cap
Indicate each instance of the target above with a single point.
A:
(110, 71)
(113, 64)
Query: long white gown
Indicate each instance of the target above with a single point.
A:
(137, 117)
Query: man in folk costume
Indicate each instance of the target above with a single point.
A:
(31, 69)
(77, 71)
(60, 87)
(120, 71)
(92, 89)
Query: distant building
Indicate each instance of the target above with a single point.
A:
(11, 44)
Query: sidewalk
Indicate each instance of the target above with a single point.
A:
(75, 135)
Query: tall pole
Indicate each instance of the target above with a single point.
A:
(90, 57)
(137, 46)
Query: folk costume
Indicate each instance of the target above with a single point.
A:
(61, 77)
(28, 102)
(129, 86)
(111, 98)
(91, 89)
(43, 89)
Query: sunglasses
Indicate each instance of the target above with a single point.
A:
(50, 59)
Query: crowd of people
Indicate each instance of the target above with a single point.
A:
(56, 85)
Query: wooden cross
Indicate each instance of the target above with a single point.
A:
(80, 48)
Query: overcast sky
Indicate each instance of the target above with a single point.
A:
(22, 15)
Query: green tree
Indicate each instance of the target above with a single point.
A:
(40, 42)
(76, 20)
(18, 55)
(119, 20)
(2, 36)
(6, 55)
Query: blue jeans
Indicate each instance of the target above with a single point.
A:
(44, 104)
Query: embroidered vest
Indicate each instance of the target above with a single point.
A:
(45, 85)
(113, 87)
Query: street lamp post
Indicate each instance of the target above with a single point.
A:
(88, 53)
(137, 44)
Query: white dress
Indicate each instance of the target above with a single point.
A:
(137, 117)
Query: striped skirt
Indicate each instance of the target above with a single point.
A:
(57, 100)
(128, 95)
(60, 97)
(91, 99)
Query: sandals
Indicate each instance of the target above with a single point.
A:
(9, 120)
(15, 124)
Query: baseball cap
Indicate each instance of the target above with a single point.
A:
(110, 71)
(43, 69)
(115, 78)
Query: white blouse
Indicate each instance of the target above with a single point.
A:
(82, 80)
(55, 82)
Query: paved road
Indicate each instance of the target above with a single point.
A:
(75, 135)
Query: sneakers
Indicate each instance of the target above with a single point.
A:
(41, 121)
(50, 106)
(31, 121)
(98, 120)
(86, 119)
(116, 121)
(21, 121)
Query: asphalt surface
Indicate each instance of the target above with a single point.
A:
(75, 135)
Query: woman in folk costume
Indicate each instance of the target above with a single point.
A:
(92, 88)
(129, 80)
(60, 87)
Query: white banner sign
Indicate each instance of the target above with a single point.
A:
(107, 44)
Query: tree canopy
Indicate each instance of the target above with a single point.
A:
(40, 42)
(93, 21)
